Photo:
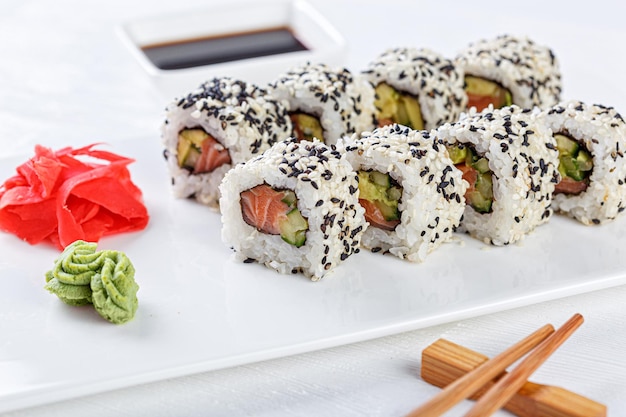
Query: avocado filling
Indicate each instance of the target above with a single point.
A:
(199, 152)
(394, 106)
(306, 126)
(482, 92)
(476, 172)
(575, 165)
(379, 194)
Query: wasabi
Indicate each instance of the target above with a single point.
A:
(106, 279)
(114, 288)
(70, 278)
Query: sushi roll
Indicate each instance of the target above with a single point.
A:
(509, 158)
(294, 209)
(510, 70)
(222, 123)
(411, 192)
(591, 140)
(417, 88)
(325, 103)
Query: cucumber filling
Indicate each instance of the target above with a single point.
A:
(475, 169)
(482, 92)
(379, 194)
(293, 228)
(394, 106)
(306, 126)
(199, 152)
(575, 165)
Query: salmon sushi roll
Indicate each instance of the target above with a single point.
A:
(409, 188)
(418, 88)
(509, 159)
(222, 123)
(510, 70)
(325, 103)
(591, 140)
(294, 209)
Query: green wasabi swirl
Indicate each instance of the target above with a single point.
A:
(114, 290)
(106, 279)
(70, 278)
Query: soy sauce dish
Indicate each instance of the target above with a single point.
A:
(254, 41)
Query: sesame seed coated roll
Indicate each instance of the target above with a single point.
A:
(325, 103)
(222, 123)
(509, 158)
(411, 192)
(528, 72)
(418, 88)
(294, 209)
(591, 140)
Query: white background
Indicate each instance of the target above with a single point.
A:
(66, 78)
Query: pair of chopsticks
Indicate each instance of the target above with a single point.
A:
(544, 342)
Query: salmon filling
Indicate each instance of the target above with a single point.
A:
(306, 126)
(482, 92)
(199, 152)
(379, 195)
(575, 165)
(274, 212)
(475, 169)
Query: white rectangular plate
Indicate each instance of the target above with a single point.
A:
(200, 310)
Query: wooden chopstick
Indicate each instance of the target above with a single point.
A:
(507, 386)
(474, 380)
(443, 362)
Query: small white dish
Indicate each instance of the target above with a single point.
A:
(322, 41)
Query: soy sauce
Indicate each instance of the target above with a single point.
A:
(225, 48)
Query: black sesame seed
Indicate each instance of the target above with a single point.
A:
(354, 232)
